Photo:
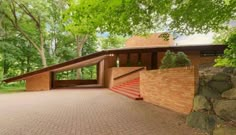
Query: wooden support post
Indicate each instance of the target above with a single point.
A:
(139, 63)
(154, 60)
(52, 78)
(98, 70)
(128, 63)
(101, 73)
(117, 61)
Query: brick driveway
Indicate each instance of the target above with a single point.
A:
(85, 112)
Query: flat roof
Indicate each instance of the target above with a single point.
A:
(98, 56)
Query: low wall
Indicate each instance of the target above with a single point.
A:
(173, 89)
(118, 71)
(38, 82)
(68, 83)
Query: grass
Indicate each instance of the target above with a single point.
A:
(11, 89)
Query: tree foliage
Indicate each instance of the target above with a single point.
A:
(112, 42)
(229, 57)
(28, 19)
(129, 17)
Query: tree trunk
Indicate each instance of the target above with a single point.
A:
(5, 68)
(80, 41)
(28, 63)
(22, 67)
(79, 53)
(91, 74)
(43, 58)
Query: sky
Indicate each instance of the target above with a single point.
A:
(196, 39)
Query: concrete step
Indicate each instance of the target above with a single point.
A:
(136, 89)
(134, 80)
(130, 84)
(134, 86)
(127, 91)
(135, 97)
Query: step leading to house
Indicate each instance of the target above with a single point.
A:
(129, 89)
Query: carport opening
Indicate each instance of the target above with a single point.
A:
(85, 73)
(77, 77)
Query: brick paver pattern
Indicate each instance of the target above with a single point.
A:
(85, 112)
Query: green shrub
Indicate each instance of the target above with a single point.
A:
(171, 60)
(182, 60)
(168, 60)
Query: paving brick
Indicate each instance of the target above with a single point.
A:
(85, 112)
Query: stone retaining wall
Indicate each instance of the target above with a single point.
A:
(214, 107)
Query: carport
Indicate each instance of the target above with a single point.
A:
(98, 82)
(45, 79)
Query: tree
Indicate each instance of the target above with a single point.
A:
(59, 43)
(28, 21)
(129, 17)
(18, 54)
(89, 47)
(68, 52)
(17, 59)
(227, 36)
(112, 42)
(81, 32)
(34, 24)
(229, 57)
